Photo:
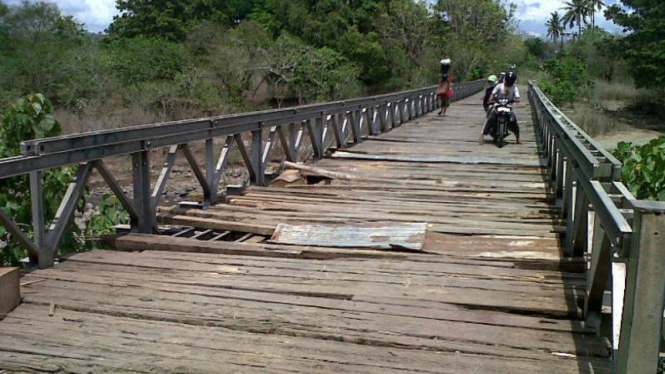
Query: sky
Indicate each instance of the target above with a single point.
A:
(531, 14)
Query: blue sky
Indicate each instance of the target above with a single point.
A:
(532, 14)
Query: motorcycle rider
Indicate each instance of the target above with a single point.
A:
(492, 81)
(507, 90)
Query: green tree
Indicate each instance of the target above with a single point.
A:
(36, 42)
(295, 70)
(348, 27)
(577, 12)
(404, 33)
(593, 6)
(478, 28)
(643, 46)
(537, 47)
(567, 77)
(555, 27)
(172, 19)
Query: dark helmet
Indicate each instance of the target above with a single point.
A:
(511, 77)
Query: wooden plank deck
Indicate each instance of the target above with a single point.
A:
(490, 292)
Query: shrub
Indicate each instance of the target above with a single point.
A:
(559, 91)
(644, 168)
(567, 78)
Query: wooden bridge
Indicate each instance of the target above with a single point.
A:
(401, 247)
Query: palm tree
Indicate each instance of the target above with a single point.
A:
(593, 5)
(577, 12)
(555, 28)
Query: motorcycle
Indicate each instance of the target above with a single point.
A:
(503, 109)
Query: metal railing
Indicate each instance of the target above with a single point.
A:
(348, 122)
(622, 239)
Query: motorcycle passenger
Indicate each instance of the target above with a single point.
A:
(492, 81)
(444, 91)
(502, 76)
(506, 90)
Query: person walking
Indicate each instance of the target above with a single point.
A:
(445, 92)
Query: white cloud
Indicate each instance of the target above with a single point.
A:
(95, 14)
(528, 10)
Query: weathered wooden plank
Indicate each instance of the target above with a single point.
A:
(443, 159)
(126, 345)
(385, 235)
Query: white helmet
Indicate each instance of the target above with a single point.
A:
(445, 61)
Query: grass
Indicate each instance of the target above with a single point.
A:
(611, 107)
(527, 75)
(596, 121)
(113, 117)
(618, 91)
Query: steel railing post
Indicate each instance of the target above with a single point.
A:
(142, 192)
(210, 172)
(44, 258)
(642, 320)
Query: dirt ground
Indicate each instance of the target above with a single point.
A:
(634, 135)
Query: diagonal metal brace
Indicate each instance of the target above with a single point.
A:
(17, 233)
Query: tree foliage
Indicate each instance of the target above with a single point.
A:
(555, 27)
(643, 47)
(643, 169)
(480, 32)
(567, 76)
(171, 20)
(576, 13)
(29, 117)
(143, 59)
(36, 41)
